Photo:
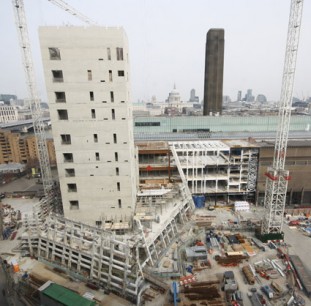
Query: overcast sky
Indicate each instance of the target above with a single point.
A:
(167, 43)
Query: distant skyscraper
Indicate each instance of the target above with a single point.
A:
(193, 97)
(249, 96)
(214, 68)
(239, 97)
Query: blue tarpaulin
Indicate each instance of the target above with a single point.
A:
(199, 201)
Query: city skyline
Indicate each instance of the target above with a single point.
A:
(254, 54)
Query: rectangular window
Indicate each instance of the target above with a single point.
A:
(54, 54)
(119, 54)
(109, 54)
(98, 223)
(93, 113)
(121, 73)
(116, 156)
(113, 114)
(66, 138)
(72, 187)
(97, 156)
(68, 157)
(70, 172)
(110, 75)
(114, 138)
(147, 123)
(111, 96)
(119, 203)
(57, 76)
(95, 136)
(74, 205)
(118, 186)
(60, 96)
(89, 75)
(117, 171)
(91, 95)
(62, 114)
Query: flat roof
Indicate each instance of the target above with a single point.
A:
(65, 296)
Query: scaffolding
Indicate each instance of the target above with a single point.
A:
(103, 257)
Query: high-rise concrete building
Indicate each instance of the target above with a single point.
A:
(87, 79)
(214, 67)
(239, 96)
(193, 97)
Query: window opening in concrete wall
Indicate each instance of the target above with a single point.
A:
(97, 156)
(119, 203)
(91, 95)
(95, 136)
(68, 157)
(117, 171)
(118, 186)
(74, 205)
(121, 73)
(113, 114)
(116, 156)
(111, 96)
(60, 96)
(57, 76)
(109, 54)
(93, 113)
(119, 54)
(66, 138)
(72, 187)
(62, 114)
(70, 172)
(110, 75)
(89, 75)
(114, 138)
(54, 54)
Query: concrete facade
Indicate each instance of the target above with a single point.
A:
(8, 113)
(214, 68)
(87, 78)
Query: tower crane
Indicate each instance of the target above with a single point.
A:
(20, 19)
(277, 176)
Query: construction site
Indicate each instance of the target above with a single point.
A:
(195, 238)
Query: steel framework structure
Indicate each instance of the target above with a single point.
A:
(50, 189)
(43, 156)
(277, 176)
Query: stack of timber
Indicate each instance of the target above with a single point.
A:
(204, 220)
(230, 261)
(249, 274)
(207, 291)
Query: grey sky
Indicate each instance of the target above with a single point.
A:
(167, 43)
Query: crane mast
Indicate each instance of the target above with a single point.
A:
(277, 176)
(20, 19)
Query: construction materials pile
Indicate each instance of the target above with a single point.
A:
(247, 271)
(230, 261)
(207, 291)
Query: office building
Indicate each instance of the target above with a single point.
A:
(214, 68)
(193, 97)
(87, 79)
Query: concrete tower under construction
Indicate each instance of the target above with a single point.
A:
(214, 67)
(87, 79)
